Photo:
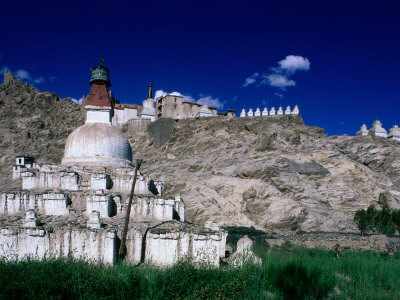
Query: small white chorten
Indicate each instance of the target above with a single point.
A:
(257, 113)
(394, 133)
(265, 112)
(272, 111)
(377, 129)
(149, 106)
(31, 219)
(280, 111)
(287, 111)
(250, 113)
(295, 110)
(363, 130)
(243, 113)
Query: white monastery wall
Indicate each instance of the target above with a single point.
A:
(97, 116)
(36, 243)
(162, 249)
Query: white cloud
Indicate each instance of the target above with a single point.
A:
(210, 101)
(293, 63)
(4, 69)
(250, 80)
(278, 95)
(77, 101)
(23, 74)
(38, 80)
(277, 80)
(203, 99)
(280, 76)
(186, 98)
(265, 102)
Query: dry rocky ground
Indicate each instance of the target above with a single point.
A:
(274, 173)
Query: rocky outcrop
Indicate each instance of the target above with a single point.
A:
(33, 122)
(272, 173)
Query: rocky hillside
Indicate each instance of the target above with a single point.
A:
(33, 122)
(273, 173)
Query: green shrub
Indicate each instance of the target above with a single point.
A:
(396, 219)
(298, 282)
(257, 236)
(382, 221)
(361, 219)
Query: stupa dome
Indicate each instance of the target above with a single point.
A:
(97, 144)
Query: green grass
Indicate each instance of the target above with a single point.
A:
(288, 274)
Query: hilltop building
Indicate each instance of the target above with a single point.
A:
(167, 106)
(77, 209)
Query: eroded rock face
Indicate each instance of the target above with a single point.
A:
(274, 173)
(33, 122)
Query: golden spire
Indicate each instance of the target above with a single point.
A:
(150, 95)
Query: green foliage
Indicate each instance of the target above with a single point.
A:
(396, 219)
(299, 282)
(382, 221)
(361, 219)
(296, 274)
(257, 236)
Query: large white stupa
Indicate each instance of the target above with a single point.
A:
(77, 209)
(97, 142)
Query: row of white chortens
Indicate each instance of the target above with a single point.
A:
(77, 209)
(378, 130)
(272, 112)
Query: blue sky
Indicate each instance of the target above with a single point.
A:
(338, 60)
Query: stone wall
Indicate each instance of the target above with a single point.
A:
(136, 126)
(326, 240)
(53, 177)
(163, 244)
(38, 243)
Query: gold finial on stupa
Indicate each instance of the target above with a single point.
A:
(150, 95)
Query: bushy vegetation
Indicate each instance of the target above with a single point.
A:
(382, 221)
(298, 274)
(257, 236)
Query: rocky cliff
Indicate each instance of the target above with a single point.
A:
(274, 173)
(33, 122)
